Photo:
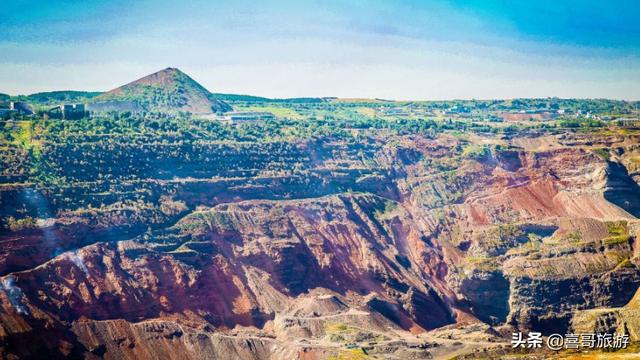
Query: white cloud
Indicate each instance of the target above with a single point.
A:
(342, 63)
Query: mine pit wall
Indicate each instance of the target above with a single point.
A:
(624, 319)
(622, 190)
(487, 296)
(548, 306)
(547, 302)
(209, 179)
(540, 301)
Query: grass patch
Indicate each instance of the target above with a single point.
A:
(279, 112)
(481, 263)
(534, 242)
(626, 263)
(389, 207)
(351, 354)
(473, 151)
(618, 231)
(573, 237)
(369, 112)
(603, 153)
(616, 228)
(616, 240)
(339, 328)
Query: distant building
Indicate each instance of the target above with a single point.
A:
(629, 122)
(242, 116)
(68, 111)
(15, 108)
(21, 107)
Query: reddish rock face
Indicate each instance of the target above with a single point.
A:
(249, 268)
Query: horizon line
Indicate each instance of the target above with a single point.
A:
(354, 98)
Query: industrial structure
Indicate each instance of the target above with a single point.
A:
(245, 116)
(17, 108)
(67, 111)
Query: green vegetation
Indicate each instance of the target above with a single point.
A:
(351, 354)
(169, 91)
(278, 111)
(617, 228)
(99, 161)
(21, 224)
(339, 328)
(534, 243)
(477, 152)
(389, 207)
(581, 123)
(484, 264)
(497, 240)
(618, 232)
(603, 153)
(615, 240)
(352, 338)
(258, 99)
(625, 263)
(59, 97)
(573, 237)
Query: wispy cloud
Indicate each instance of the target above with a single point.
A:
(404, 49)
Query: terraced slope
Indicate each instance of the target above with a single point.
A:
(164, 237)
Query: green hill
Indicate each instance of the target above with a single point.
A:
(251, 98)
(169, 91)
(58, 97)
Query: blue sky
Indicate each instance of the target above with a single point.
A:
(387, 49)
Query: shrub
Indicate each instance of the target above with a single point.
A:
(21, 224)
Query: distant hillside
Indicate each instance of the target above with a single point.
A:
(57, 97)
(4, 97)
(251, 98)
(169, 90)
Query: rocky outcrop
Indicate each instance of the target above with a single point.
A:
(237, 265)
(620, 320)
